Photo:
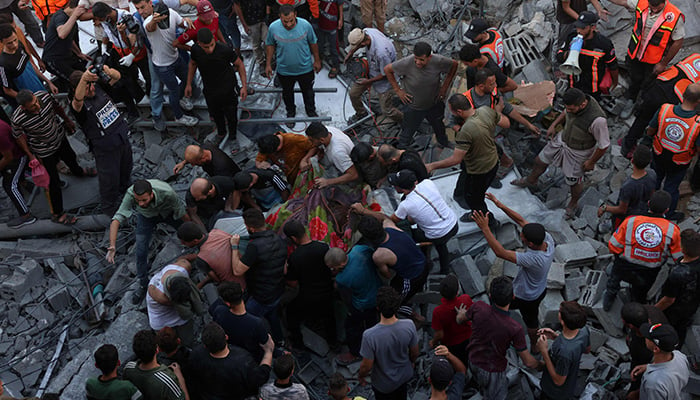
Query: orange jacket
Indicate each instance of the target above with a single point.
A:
(646, 241)
(652, 51)
(313, 5)
(677, 135)
(44, 8)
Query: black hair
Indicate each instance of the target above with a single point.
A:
(361, 152)
(242, 180)
(106, 358)
(142, 186)
(573, 97)
(572, 314)
(459, 102)
(286, 9)
(145, 345)
(634, 314)
(24, 96)
(316, 130)
(179, 289)
(254, 218)
(213, 337)
(449, 287)
(284, 366)
(167, 339)
(230, 292)
(690, 242)
(205, 36)
(469, 52)
(482, 75)
(190, 231)
(268, 144)
(641, 156)
(337, 386)
(371, 229)
(501, 291)
(6, 30)
(388, 301)
(534, 233)
(659, 202)
(101, 10)
(294, 229)
(422, 49)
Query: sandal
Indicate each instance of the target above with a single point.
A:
(523, 183)
(333, 73)
(64, 219)
(89, 172)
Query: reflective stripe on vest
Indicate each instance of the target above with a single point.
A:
(647, 240)
(597, 55)
(652, 50)
(495, 48)
(676, 134)
(44, 8)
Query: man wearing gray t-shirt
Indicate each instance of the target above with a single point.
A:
(423, 91)
(389, 349)
(530, 284)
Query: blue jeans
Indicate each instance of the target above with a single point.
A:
(229, 27)
(144, 232)
(168, 78)
(671, 176)
(156, 95)
(269, 312)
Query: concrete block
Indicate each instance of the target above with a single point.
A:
(576, 254)
(314, 342)
(597, 338)
(485, 260)
(308, 373)
(549, 308)
(579, 223)
(556, 197)
(572, 293)
(618, 345)
(590, 215)
(693, 386)
(154, 154)
(555, 276)
(590, 197)
(508, 236)
(58, 297)
(14, 288)
(536, 72)
(151, 137)
(587, 362)
(594, 288)
(611, 321)
(30, 367)
(603, 372)
(469, 275)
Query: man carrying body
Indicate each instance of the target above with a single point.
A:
(577, 148)
(380, 53)
(259, 188)
(207, 197)
(396, 160)
(212, 160)
(422, 92)
(285, 150)
(153, 201)
(334, 147)
(292, 41)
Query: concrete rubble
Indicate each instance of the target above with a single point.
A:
(44, 291)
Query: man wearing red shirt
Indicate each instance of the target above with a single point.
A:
(447, 331)
(206, 18)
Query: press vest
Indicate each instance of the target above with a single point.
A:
(684, 73)
(646, 241)
(576, 134)
(494, 48)
(104, 123)
(44, 8)
(659, 36)
(676, 134)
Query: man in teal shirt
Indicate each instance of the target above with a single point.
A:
(153, 201)
(292, 40)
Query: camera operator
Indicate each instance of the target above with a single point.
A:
(106, 131)
(126, 53)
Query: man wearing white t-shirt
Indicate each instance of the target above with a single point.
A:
(161, 24)
(334, 146)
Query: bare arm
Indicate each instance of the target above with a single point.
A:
(622, 3)
(64, 30)
(483, 222)
(542, 347)
(566, 7)
(239, 269)
(22, 143)
(670, 53)
(365, 368)
(529, 360)
(456, 158)
(158, 296)
(191, 69)
(665, 302)
(240, 67)
(413, 353)
(349, 176)
(6, 158)
(509, 86)
(448, 80)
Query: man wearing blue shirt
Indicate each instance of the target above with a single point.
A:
(292, 40)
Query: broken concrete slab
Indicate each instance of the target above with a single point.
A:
(154, 154)
(469, 275)
(314, 342)
(549, 308)
(597, 338)
(555, 276)
(576, 254)
(611, 321)
(508, 236)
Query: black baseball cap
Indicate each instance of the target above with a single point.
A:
(477, 26)
(405, 179)
(441, 372)
(662, 335)
(585, 19)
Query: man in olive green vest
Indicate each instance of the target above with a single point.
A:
(576, 148)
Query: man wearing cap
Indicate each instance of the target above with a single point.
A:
(489, 40)
(206, 18)
(423, 205)
(568, 12)
(597, 56)
(668, 372)
(380, 53)
(475, 59)
(447, 375)
(423, 91)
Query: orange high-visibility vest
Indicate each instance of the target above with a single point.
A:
(495, 48)
(676, 134)
(492, 103)
(646, 241)
(44, 8)
(652, 51)
(688, 70)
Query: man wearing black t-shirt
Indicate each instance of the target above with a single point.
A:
(260, 188)
(61, 55)
(216, 62)
(396, 160)
(307, 270)
(681, 292)
(253, 20)
(471, 56)
(212, 160)
(207, 197)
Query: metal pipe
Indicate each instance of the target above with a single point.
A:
(52, 363)
(296, 90)
(283, 120)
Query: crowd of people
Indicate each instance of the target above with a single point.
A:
(255, 320)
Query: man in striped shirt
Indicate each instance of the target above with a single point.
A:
(41, 135)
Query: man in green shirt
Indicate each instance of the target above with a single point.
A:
(153, 201)
(108, 386)
(476, 148)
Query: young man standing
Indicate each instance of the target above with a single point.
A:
(17, 70)
(61, 54)
(216, 62)
(108, 386)
(668, 373)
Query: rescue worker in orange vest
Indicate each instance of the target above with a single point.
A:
(675, 131)
(44, 9)
(641, 245)
(597, 56)
(657, 35)
(488, 39)
(474, 59)
(668, 87)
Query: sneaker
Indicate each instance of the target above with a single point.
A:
(138, 295)
(158, 124)
(186, 104)
(187, 120)
(356, 117)
(21, 221)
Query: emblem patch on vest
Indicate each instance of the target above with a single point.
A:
(696, 66)
(670, 16)
(674, 132)
(648, 235)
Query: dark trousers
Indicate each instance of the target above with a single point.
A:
(529, 309)
(65, 153)
(224, 112)
(356, 323)
(409, 287)
(440, 246)
(11, 176)
(398, 394)
(652, 99)
(413, 118)
(641, 279)
(475, 186)
(640, 75)
(671, 175)
(321, 309)
(114, 166)
(144, 233)
(306, 84)
(460, 351)
(681, 322)
(63, 69)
